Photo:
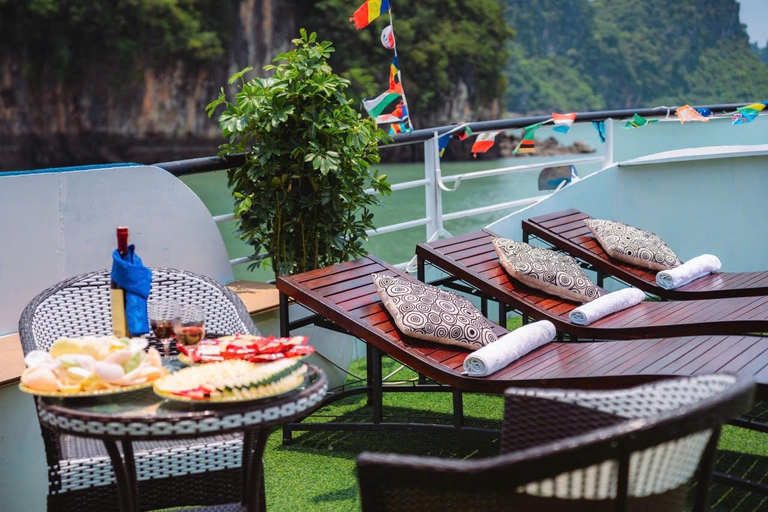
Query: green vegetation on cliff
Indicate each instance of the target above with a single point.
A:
(583, 54)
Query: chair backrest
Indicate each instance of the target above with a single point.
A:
(635, 449)
(80, 306)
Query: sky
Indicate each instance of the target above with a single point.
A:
(754, 14)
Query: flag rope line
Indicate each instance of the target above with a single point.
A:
(399, 73)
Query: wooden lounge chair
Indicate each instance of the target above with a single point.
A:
(566, 231)
(344, 298)
(574, 451)
(471, 258)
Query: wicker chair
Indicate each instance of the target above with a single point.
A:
(201, 471)
(635, 449)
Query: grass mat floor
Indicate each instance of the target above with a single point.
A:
(317, 471)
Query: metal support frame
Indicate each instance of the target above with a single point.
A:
(374, 389)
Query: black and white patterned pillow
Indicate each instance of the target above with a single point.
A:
(632, 245)
(550, 271)
(429, 313)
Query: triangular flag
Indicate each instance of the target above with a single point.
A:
(704, 111)
(378, 105)
(600, 127)
(744, 115)
(563, 122)
(442, 143)
(463, 134)
(394, 69)
(368, 12)
(688, 113)
(394, 129)
(637, 121)
(528, 144)
(399, 114)
(484, 142)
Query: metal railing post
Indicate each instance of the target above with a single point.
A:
(608, 153)
(433, 199)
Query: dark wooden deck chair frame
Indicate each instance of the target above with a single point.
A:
(343, 298)
(472, 259)
(565, 230)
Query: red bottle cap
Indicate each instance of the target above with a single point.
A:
(122, 240)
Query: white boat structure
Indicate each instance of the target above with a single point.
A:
(686, 185)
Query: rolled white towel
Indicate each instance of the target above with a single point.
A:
(605, 305)
(691, 270)
(508, 348)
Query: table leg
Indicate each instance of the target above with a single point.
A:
(253, 469)
(125, 488)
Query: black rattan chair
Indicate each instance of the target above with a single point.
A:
(201, 471)
(636, 449)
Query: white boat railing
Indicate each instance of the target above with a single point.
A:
(433, 193)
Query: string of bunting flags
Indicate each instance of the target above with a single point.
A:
(390, 107)
(563, 122)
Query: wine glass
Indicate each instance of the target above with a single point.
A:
(189, 325)
(162, 314)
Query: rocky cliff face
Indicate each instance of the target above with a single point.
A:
(157, 114)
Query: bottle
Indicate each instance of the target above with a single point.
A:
(117, 294)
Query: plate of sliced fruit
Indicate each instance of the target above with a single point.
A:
(91, 366)
(245, 347)
(232, 381)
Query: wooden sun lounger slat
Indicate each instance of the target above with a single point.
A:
(596, 365)
(562, 230)
(736, 315)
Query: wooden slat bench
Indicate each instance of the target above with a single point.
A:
(566, 231)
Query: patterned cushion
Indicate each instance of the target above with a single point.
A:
(429, 313)
(632, 245)
(555, 273)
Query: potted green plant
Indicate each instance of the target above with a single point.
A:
(301, 195)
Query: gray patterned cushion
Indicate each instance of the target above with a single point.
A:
(632, 245)
(429, 313)
(555, 273)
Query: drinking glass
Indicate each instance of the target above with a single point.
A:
(189, 326)
(162, 314)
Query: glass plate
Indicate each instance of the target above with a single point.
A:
(293, 385)
(83, 394)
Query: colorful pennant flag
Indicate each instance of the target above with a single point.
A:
(484, 142)
(600, 127)
(394, 69)
(688, 113)
(563, 122)
(388, 37)
(442, 143)
(637, 121)
(399, 114)
(744, 115)
(528, 144)
(394, 129)
(705, 112)
(463, 134)
(383, 102)
(368, 12)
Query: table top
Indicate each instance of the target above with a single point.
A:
(144, 415)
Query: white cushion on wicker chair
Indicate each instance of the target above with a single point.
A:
(429, 313)
(632, 245)
(555, 273)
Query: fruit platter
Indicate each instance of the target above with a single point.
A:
(91, 366)
(245, 347)
(232, 381)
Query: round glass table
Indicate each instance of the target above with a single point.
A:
(143, 416)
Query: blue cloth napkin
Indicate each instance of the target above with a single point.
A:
(130, 274)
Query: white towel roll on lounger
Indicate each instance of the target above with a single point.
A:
(508, 348)
(605, 305)
(691, 270)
